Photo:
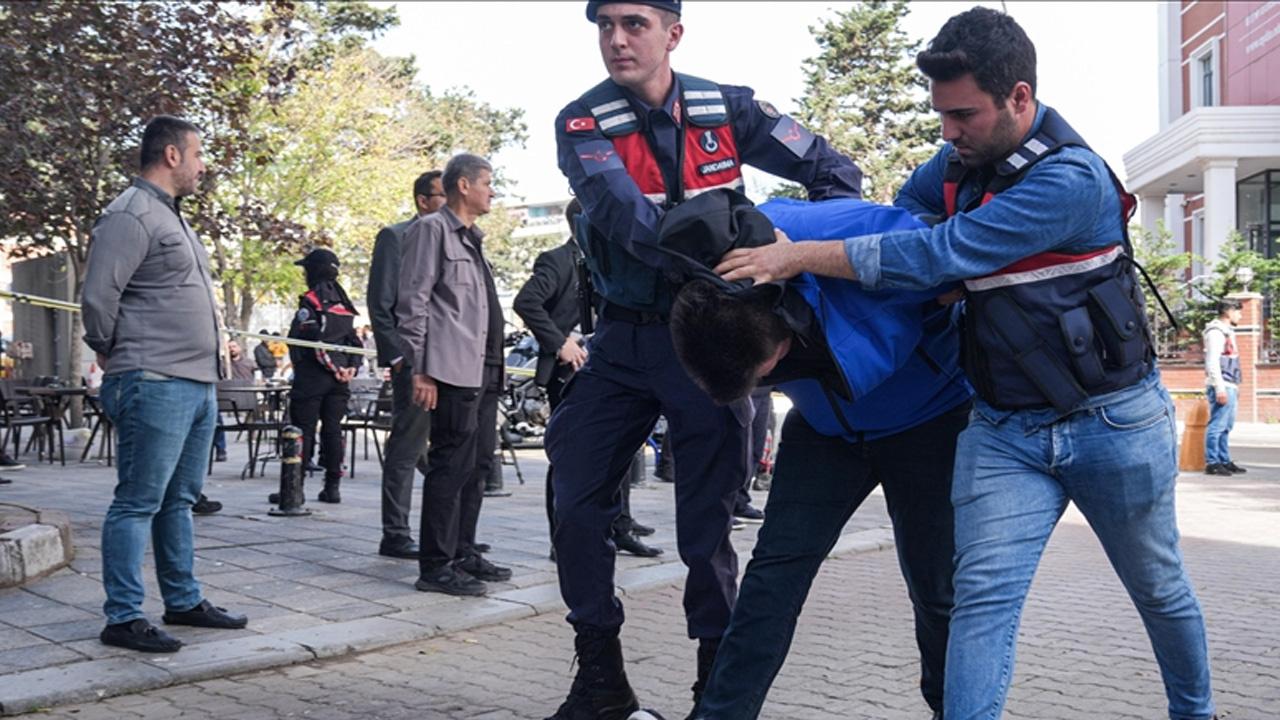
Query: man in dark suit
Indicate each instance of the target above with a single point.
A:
(548, 305)
(410, 424)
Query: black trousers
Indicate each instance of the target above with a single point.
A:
(317, 395)
(406, 449)
(454, 485)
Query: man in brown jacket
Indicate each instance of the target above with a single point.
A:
(450, 326)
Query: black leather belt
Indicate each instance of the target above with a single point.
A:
(635, 317)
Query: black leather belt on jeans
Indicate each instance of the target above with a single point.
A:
(635, 317)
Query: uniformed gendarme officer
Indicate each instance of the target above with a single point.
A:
(325, 314)
(639, 142)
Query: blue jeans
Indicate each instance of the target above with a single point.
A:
(164, 432)
(818, 483)
(1116, 459)
(1222, 418)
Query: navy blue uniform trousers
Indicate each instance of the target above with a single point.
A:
(609, 407)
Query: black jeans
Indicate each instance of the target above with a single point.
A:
(317, 395)
(818, 483)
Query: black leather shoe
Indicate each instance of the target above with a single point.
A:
(640, 530)
(206, 615)
(628, 543)
(481, 569)
(482, 547)
(749, 514)
(205, 506)
(140, 635)
(449, 581)
(310, 466)
(399, 548)
(1234, 468)
(1216, 469)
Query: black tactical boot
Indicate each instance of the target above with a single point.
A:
(600, 690)
(707, 649)
(330, 492)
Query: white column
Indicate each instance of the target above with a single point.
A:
(1219, 205)
(1151, 210)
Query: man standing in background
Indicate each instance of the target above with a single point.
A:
(1222, 368)
(406, 447)
(149, 314)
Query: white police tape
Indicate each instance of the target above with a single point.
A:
(39, 301)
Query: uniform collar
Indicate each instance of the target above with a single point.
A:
(669, 105)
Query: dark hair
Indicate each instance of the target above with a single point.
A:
(422, 186)
(161, 132)
(986, 43)
(461, 166)
(572, 210)
(1227, 305)
(722, 339)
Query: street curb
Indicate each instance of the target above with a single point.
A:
(92, 680)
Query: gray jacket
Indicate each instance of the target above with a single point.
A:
(442, 305)
(148, 297)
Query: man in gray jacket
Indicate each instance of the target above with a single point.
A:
(149, 314)
(410, 424)
(450, 327)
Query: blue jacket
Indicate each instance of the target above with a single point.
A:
(896, 351)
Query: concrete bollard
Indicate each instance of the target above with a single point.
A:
(291, 497)
(1191, 449)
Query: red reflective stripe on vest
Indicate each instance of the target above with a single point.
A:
(949, 192)
(695, 157)
(643, 168)
(640, 163)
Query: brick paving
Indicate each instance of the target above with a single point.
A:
(315, 589)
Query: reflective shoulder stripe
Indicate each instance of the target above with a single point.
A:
(703, 95)
(609, 107)
(608, 124)
(701, 110)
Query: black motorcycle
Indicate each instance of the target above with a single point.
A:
(522, 408)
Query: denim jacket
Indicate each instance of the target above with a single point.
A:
(1066, 202)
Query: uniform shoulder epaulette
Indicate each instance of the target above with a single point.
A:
(612, 111)
(704, 104)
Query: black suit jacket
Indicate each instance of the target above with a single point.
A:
(384, 282)
(548, 304)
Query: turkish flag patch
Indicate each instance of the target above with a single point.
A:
(581, 124)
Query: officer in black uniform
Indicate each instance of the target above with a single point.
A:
(320, 377)
(638, 143)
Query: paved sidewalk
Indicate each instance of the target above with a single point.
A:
(315, 588)
(1082, 652)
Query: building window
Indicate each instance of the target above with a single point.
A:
(1258, 212)
(1204, 75)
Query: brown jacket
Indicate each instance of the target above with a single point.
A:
(442, 307)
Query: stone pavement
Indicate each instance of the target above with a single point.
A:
(314, 588)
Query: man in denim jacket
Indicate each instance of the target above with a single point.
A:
(1070, 405)
(150, 316)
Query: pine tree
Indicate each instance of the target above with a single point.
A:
(865, 95)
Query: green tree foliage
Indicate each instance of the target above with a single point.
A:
(326, 149)
(1158, 257)
(865, 95)
(1223, 281)
(78, 81)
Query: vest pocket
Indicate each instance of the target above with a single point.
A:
(1117, 322)
(1077, 332)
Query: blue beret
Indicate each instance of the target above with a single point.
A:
(670, 5)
